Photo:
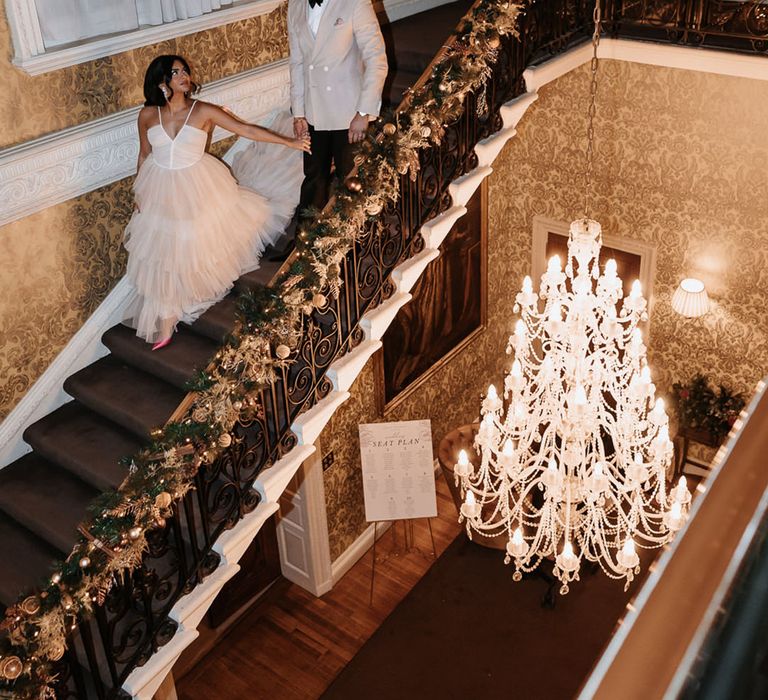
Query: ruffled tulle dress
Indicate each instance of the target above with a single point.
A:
(196, 229)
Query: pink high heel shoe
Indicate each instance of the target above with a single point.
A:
(162, 343)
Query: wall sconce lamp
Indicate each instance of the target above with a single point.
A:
(690, 298)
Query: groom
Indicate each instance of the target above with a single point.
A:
(338, 66)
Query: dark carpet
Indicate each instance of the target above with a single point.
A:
(468, 631)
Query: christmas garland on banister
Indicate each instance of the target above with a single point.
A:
(113, 540)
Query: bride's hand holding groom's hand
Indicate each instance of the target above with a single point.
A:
(300, 143)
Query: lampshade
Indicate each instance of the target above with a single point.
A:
(690, 298)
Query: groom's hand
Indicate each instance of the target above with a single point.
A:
(357, 128)
(300, 127)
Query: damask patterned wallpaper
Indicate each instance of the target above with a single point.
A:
(37, 105)
(680, 163)
(57, 266)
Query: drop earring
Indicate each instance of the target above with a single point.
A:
(164, 90)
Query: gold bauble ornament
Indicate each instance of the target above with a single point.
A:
(353, 184)
(494, 41)
(319, 300)
(237, 405)
(66, 601)
(389, 128)
(373, 209)
(134, 533)
(30, 605)
(426, 132)
(199, 415)
(163, 500)
(84, 563)
(282, 351)
(225, 440)
(11, 668)
(56, 650)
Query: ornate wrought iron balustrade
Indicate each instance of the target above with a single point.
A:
(739, 25)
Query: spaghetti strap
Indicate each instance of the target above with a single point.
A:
(160, 117)
(194, 102)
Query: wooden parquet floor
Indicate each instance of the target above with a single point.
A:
(295, 646)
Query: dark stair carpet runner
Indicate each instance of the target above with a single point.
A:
(120, 398)
(412, 44)
(76, 449)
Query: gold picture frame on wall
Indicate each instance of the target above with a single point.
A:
(635, 259)
(425, 335)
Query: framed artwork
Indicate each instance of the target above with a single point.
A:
(635, 260)
(447, 311)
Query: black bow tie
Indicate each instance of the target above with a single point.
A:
(312, 3)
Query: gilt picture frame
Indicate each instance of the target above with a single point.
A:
(425, 336)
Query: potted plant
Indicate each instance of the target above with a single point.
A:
(706, 414)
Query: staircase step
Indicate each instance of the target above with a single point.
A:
(126, 395)
(85, 443)
(218, 321)
(45, 499)
(416, 39)
(30, 559)
(175, 363)
(397, 84)
(260, 277)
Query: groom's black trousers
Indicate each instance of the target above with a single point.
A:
(328, 147)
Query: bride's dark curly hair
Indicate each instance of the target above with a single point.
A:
(159, 71)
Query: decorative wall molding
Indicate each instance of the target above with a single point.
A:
(31, 56)
(732, 64)
(398, 9)
(54, 168)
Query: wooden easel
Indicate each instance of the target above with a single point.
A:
(408, 543)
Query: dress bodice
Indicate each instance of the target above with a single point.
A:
(186, 149)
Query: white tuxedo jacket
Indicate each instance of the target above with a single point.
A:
(342, 70)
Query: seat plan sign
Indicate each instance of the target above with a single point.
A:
(398, 471)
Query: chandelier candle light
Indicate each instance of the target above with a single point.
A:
(575, 466)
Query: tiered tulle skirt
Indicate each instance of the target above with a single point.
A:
(195, 233)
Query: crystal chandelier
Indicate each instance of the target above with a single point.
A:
(574, 467)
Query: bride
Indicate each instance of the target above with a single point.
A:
(194, 230)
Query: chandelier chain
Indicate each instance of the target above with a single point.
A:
(597, 17)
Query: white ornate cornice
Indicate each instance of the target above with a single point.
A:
(69, 163)
(30, 54)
